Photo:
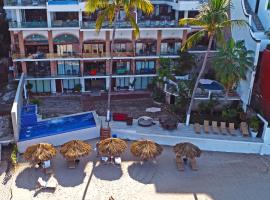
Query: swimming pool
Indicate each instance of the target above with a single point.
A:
(57, 125)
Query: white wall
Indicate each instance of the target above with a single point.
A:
(172, 34)
(252, 4)
(93, 35)
(264, 14)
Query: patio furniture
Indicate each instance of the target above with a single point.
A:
(193, 164)
(129, 121)
(50, 184)
(232, 129)
(120, 117)
(145, 121)
(223, 128)
(206, 126)
(197, 128)
(117, 160)
(215, 127)
(179, 163)
(244, 129)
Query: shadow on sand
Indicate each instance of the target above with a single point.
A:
(108, 172)
(142, 172)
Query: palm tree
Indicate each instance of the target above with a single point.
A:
(232, 63)
(109, 10)
(212, 19)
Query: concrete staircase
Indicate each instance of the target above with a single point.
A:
(259, 27)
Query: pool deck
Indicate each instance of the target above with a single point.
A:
(209, 142)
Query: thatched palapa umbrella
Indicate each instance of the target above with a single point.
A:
(75, 149)
(146, 149)
(40, 152)
(187, 149)
(112, 147)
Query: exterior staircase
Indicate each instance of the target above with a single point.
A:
(258, 24)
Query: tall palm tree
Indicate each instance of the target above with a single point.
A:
(232, 63)
(212, 19)
(109, 10)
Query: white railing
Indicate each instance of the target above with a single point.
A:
(16, 108)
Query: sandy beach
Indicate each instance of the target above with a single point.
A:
(221, 176)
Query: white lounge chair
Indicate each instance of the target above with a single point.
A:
(51, 183)
(117, 160)
(104, 159)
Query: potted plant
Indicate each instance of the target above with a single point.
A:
(77, 88)
(254, 125)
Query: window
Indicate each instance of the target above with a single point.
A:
(68, 68)
(69, 84)
(268, 6)
(145, 67)
(141, 83)
(171, 47)
(40, 86)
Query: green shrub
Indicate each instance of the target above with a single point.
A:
(229, 114)
(254, 123)
(13, 156)
(36, 101)
(77, 87)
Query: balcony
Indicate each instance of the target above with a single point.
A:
(34, 24)
(68, 23)
(25, 3)
(62, 2)
(158, 24)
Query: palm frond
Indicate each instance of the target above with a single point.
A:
(133, 23)
(144, 5)
(192, 40)
(191, 21)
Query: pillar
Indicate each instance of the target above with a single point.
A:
(133, 66)
(18, 17)
(108, 67)
(159, 37)
(21, 43)
(186, 14)
(107, 83)
(81, 41)
(176, 15)
(12, 41)
(108, 44)
(184, 37)
(53, 68)
(50, 41)
(24, 68)
(134, 43)
(49, 20)
(82, 67)
(53, 86)
(82, 84)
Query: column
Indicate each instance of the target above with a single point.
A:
(21, 43)
(80, 18)
(133, 66)
(108, 67)
(134, 43)
(186, 14)
(49, 20)
(159, 37)
(50, 41)
(82, 84)
(53, 68)
(108, 43)
(176, 15)
(12, 41)
(18, 17)
(81, 41)
(184, 37)
(82, 67)
(53, 86)
(24, 68)
(107, 83)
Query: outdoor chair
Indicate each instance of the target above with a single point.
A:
(117, 160)
(215, 127)
(50, 184)
(197, 128)
(206, 126)
(232, 129)
(179, 163)
(223, 128)
(244, 129)
(193, 164)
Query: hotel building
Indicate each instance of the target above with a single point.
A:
(55, 44)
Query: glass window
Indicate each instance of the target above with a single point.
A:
(68, 67)
(41, 85)
(141, 83)
(47, 85)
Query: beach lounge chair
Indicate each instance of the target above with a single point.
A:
(244, 129)
(197, 128)
(71, 164)
(193, 164)
(117, 160)
(206, 126)
(215, 127)
(104, 159)
(232, 129)
(50, 184)
(223, 128)
(47, 167)
(179, 163)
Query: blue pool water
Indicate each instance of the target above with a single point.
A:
(57, 126)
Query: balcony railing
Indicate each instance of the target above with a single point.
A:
(25, 3)
(145, 71)
(42, 24)
(60, 23)
(62, 2)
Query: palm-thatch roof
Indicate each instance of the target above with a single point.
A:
(146, 149)
(112, 147)
(187, 149)
(74, 149)
(40, 152)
